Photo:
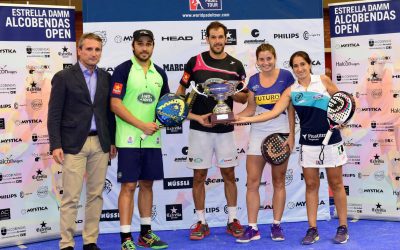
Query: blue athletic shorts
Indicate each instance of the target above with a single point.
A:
(139, 164)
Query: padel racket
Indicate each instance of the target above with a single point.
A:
(272, 149)
(340, 110)
(171, 111)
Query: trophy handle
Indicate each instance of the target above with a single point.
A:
(244, 86)
(195, 89)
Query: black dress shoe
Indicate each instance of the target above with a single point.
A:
(91, 246)
(67, 248)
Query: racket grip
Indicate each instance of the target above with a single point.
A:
(144, 136)
(327, 137)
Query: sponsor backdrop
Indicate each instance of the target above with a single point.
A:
(38, 41)
(179, 30)
(35, 42)
(366, 62)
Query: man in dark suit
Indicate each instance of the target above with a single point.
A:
(81, 130)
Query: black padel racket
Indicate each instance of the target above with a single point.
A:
(340, 110)
(272, 149)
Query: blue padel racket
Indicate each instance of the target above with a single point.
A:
(171, 111)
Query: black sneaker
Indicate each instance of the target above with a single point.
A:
(311, 236)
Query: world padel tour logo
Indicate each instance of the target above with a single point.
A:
(201, 5)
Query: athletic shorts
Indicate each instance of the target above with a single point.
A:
(139, 164)
(257, 136)
(202, 146)
(332, 156)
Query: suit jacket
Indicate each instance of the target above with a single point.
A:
(71, 109)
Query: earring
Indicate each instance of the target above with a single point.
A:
(258, 67)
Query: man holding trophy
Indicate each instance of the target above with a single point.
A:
(215, 75)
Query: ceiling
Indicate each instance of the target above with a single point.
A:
(78, 3)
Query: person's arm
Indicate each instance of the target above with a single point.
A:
(329, 85)
(250, 109)
(240, 97)
(279, 107)
(118, 90)
(292, 125)
(181, 90)
(111, 122)
(54, 117)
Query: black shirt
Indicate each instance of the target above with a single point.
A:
(203, 67)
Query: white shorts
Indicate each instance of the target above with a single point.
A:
(202, 146)
(261, 130)
(333, 156)
(257, 136)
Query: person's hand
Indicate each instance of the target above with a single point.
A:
(241, 119)
(58, 155)
(204, 120)
(113, 152)
(149, 128)
(289, 141)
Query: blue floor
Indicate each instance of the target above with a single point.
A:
(364, 234)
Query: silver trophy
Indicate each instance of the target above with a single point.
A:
(219, 89)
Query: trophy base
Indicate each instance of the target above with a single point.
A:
(222, 118)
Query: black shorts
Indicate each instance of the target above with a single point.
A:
(139, 164)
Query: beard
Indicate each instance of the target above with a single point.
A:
(142, 57)
(216, 51)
